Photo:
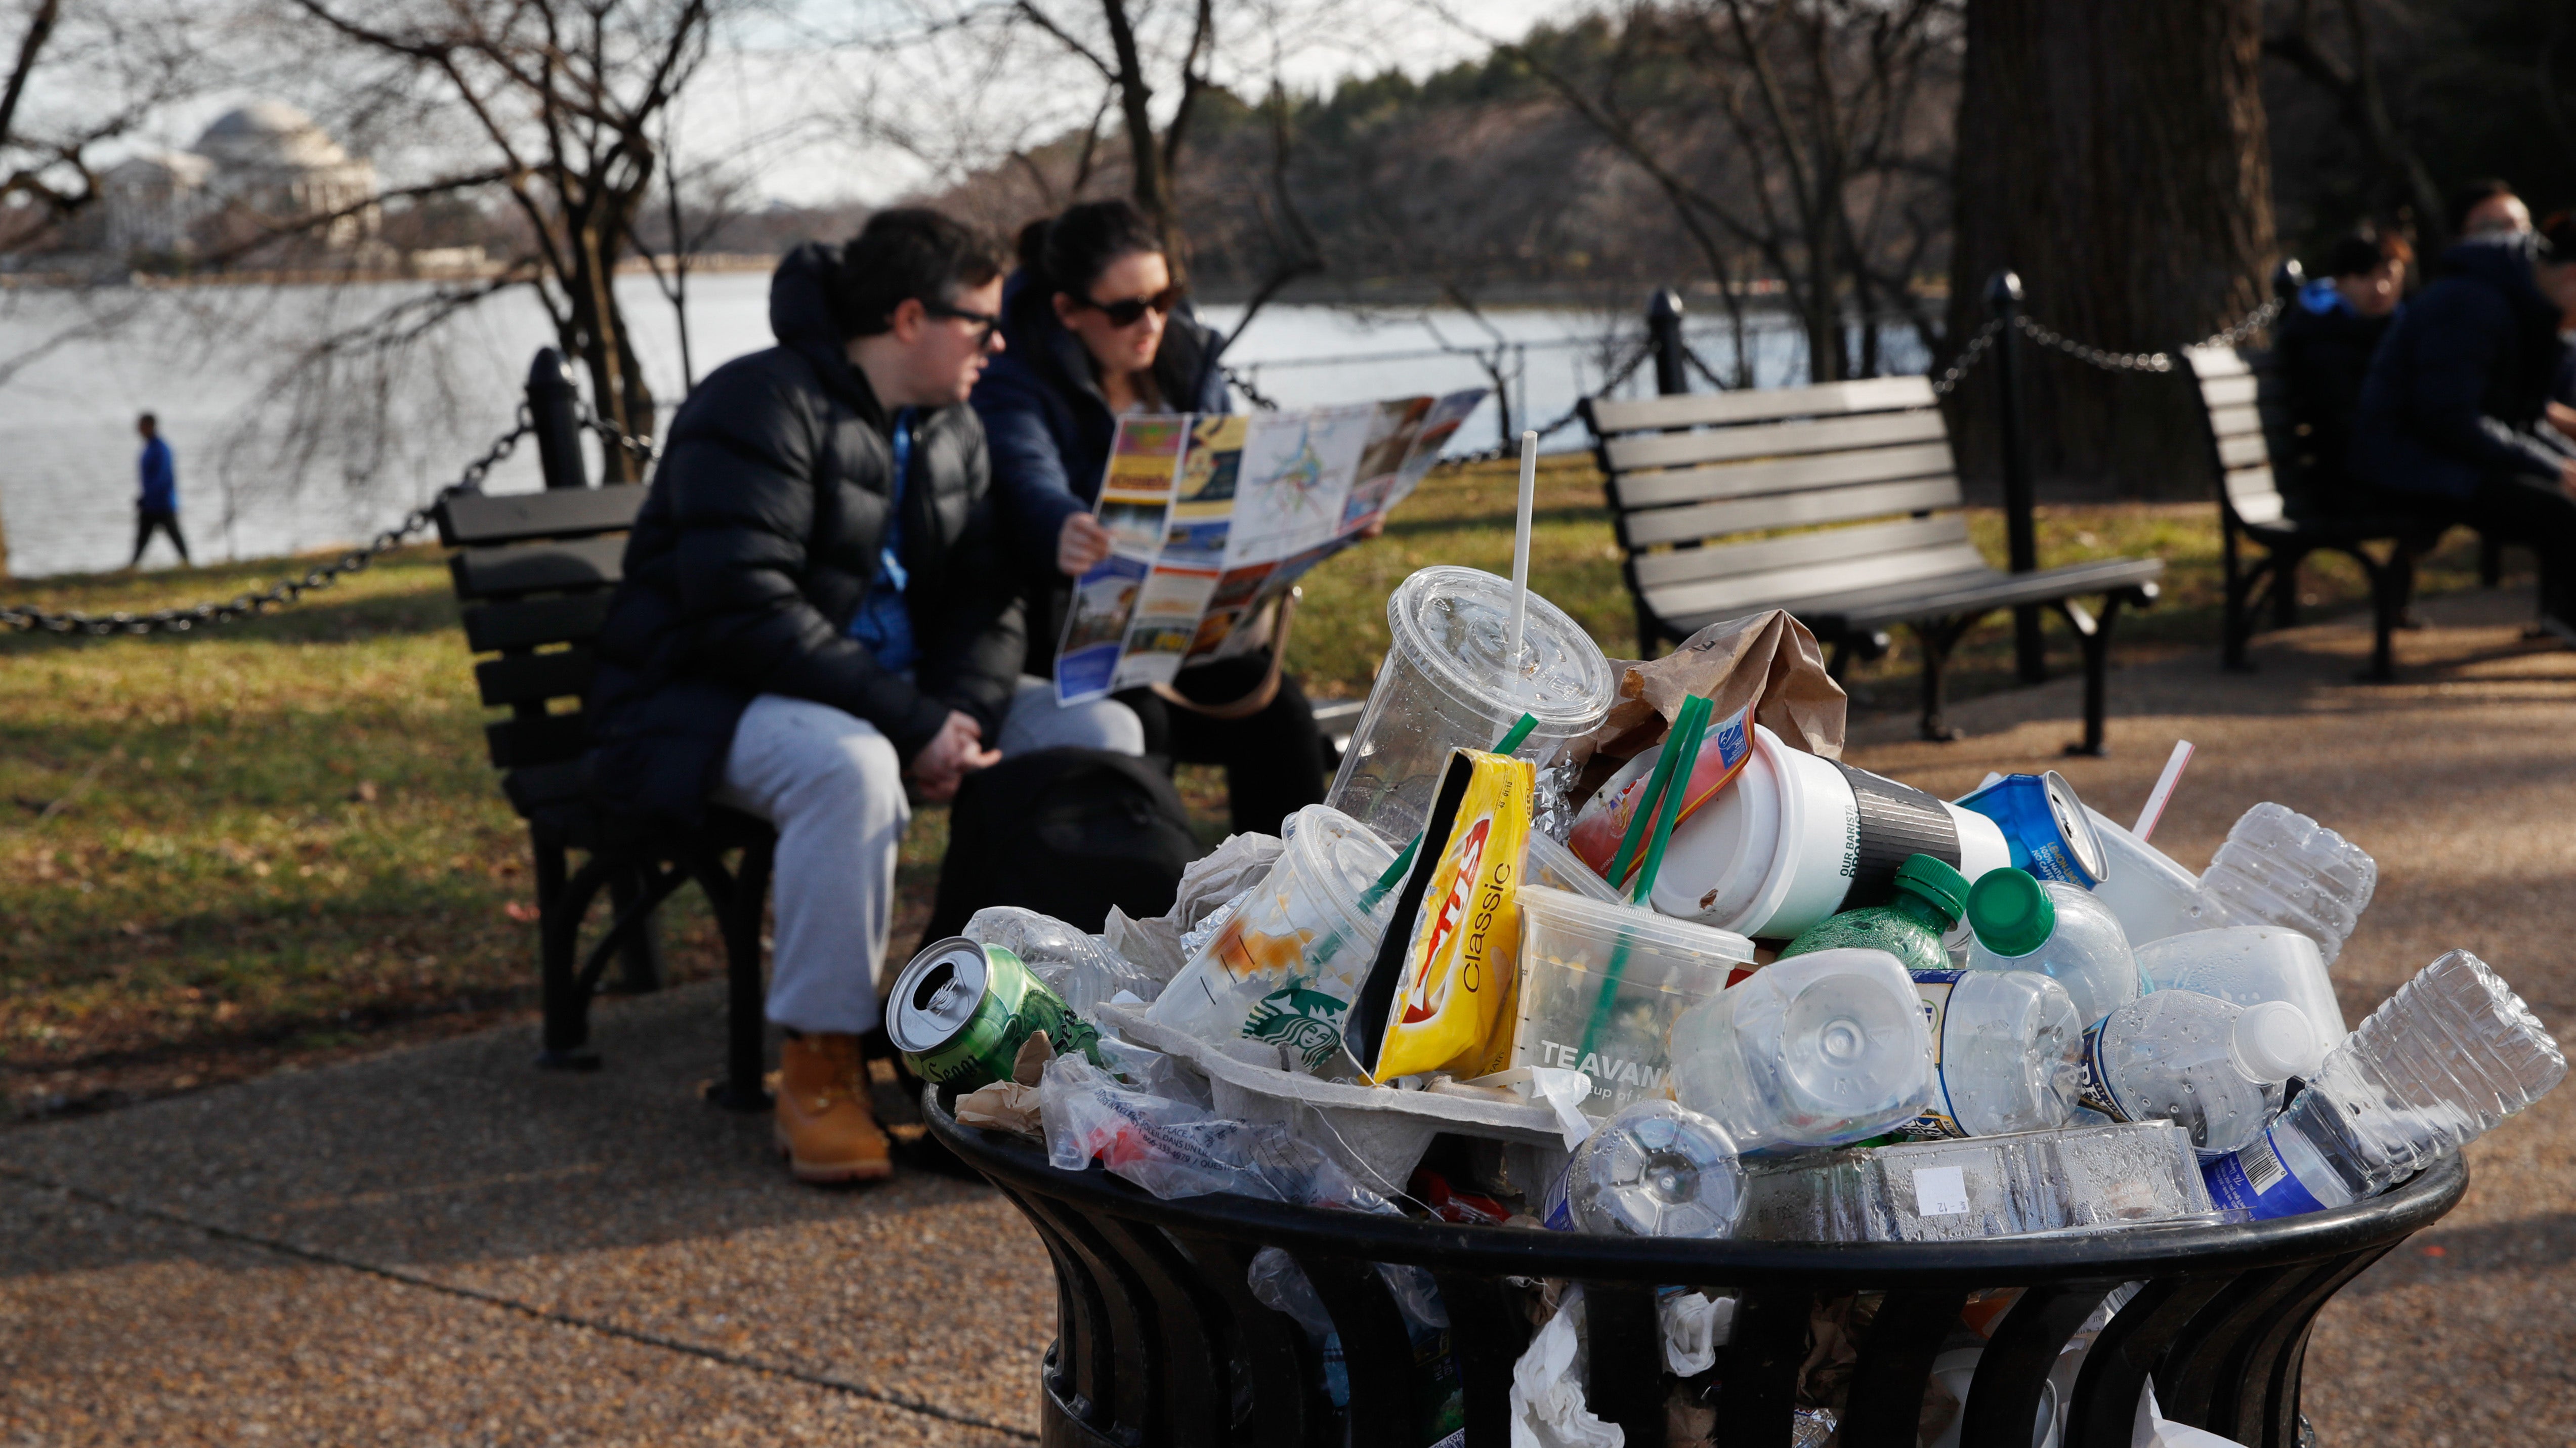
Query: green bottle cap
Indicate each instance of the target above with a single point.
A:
(1932, 878)
(2010, 913)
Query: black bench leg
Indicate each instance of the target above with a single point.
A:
(2490, 560)
(2391, 584)
(2238, 624)
(639, 960)
(567, 1006)
(1937, 638)
(746, 1022)
(2093, 636)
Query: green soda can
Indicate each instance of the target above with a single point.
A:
(961, 1011)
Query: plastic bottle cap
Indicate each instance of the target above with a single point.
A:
(1932, 878)
(2010, 913)
(2274, 1040)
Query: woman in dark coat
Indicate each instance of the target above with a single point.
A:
(1096, 329)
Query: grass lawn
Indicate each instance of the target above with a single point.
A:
(279, 841)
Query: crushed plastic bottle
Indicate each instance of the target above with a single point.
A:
(1818, 1050)
(2007, 1052)
(2280, 867)
(1930, 895)
(2250, 964)
(2453, 1053)
(1078, 967)
(2209, 1066)
(1656, 1169)
(2058, 930)
(2077, 1178)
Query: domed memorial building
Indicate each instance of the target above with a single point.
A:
(260, 169)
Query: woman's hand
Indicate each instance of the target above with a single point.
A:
(1081, 545)
(2561, 417)
(953, 753)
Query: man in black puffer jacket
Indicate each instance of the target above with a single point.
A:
(815, 613)
(2450, 420)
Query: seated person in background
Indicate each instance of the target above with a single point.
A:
(2323, 345)
(2486, 208)
(811, 621)
(1097, 330)
(2451, 416)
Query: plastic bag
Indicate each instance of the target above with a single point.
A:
(1152, 946)
(1151, 1071)
(2155, 1430)
(1439, 1404)
(1546, 1400)
(1695, 1327)
(1077, 967)
(1237, 864)
(1178, 1149)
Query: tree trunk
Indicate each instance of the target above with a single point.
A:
(2114, 154)
(598, 335)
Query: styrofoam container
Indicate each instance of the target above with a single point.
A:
(1569, 946)
(1777, 850)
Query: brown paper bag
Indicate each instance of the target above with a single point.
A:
(1768, 656)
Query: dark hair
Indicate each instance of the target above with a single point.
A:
(148, 420)
(2363, 251)
(2469, 197)
(1067, 254)
(907, 254)
(2557, 240)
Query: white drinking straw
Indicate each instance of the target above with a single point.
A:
(1521, 542)
(2156, 798)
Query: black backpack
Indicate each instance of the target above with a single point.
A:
(1067, 833)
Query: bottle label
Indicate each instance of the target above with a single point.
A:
(1940, 1118)
(2256, 1179)
(2097, 1081)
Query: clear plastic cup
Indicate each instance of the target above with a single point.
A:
(1288, 964)
(1569, 945)
(1446, 685)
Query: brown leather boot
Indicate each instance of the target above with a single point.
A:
(826, 1125)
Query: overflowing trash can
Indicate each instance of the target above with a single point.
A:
(1606, 1063)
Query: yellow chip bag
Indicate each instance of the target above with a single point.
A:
(1440, 995)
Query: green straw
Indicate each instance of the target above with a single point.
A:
(1644, 816)
(1664, 801)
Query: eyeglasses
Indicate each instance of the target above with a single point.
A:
(986, 323)
(1131, 311)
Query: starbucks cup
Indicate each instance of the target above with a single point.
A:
(1446, 684)
(1798, 836)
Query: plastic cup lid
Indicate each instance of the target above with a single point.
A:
(1336, 859)
(1935, 880)
(1455, 624)
(2010, 913)
(2274, 1040)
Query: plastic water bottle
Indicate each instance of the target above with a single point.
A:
(2250, 964)
(2007, 1052)
(1817, 1050)
(2057, 929)
(1656, 1169)
(1929, 898)
(2280, 867)
(2454, 1052)
(2210, 1067)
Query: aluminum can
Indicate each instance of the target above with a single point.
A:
(2046, 827)
(961, 1011)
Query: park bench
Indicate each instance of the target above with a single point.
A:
(2252, 441)
(1730, 502)
(534, 572)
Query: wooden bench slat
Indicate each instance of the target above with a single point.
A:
(1738, 480)
(1785, 510)
(2228, 391)
(1702, 409)
(2242, 420)
(538, 787)
(1831, 545)
(1775, 440)
(546, 739)
(2248, 451)
(1810, 583)
(2001, 590)
(535, 678)
(2208, 362)
(534, 622)
(472, 519)
(537, 567)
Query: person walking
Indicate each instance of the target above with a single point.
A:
(1097, 329)
(809, 622)
(157, 508)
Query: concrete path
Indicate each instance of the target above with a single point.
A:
(442, 1246)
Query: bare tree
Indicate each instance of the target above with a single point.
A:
(2350, 74)
(566, 97)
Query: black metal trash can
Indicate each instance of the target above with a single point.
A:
(1160, 1340)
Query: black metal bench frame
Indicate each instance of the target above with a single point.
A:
(1160, 1341)
(1695, 479)
(535, 571)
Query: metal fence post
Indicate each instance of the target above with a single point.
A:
(554, 403)
(2003, 294)
(1664, 334)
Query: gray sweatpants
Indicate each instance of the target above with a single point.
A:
(833, 787)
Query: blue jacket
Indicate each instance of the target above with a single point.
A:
(1049, 427)
(2458, 383)
(160, 478)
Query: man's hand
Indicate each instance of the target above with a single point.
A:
(953, 753)
(2567, 477)
(1081, 545)
(2562, 417)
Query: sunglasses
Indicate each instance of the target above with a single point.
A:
(1131, 311)
(986, 323)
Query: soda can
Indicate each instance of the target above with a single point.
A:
(2046, 827)
(961, 1011)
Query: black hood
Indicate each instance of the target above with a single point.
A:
(802, 318)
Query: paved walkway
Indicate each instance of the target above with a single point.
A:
(441, 1246)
